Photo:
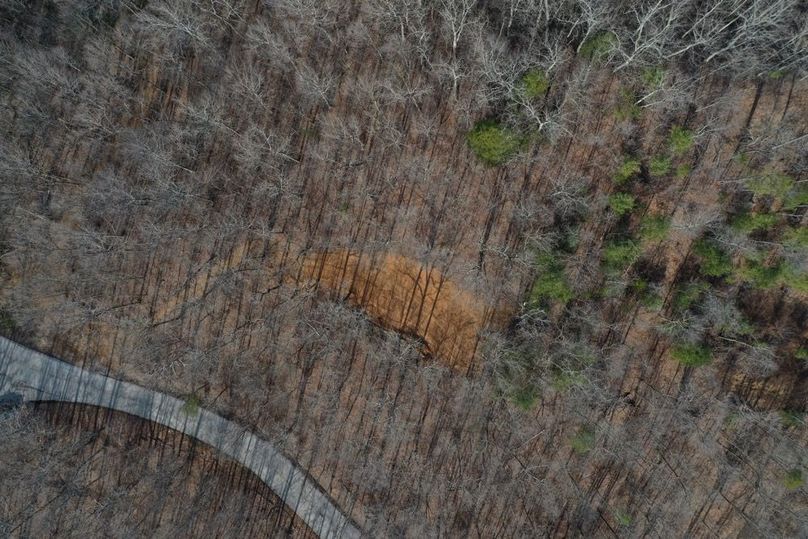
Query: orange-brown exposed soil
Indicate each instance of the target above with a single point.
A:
(398, 292)
(409, 297)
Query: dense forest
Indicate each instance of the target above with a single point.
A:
(488, 268)
(102, 474)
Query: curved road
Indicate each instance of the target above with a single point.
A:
(27, 376)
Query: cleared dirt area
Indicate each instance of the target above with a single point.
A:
(409, 297)
(398, 292)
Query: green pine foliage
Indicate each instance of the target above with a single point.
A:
(493, 143)
(599, 46)
(623, 518)
(773, 184)
(621, 203)
(794, 479)
(796, 238)
(659, 165)
(754, 222)
(627, 170)
(797, 197)
(681, 140)
(654, 227)
(792, 418)
(761, 274)
(714, 262)
(524, 396)
(795, 279)
(563, 380)
(691, 355)
(688, 295)
(682, 171)
(551, 282)
(535, 83)
(627, 107)
(583, 441)
(620, 254)
(652, 77)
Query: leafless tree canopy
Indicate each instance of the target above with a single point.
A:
(489, 268)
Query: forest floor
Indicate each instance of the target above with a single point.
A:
(284, 216)
(101, 473)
